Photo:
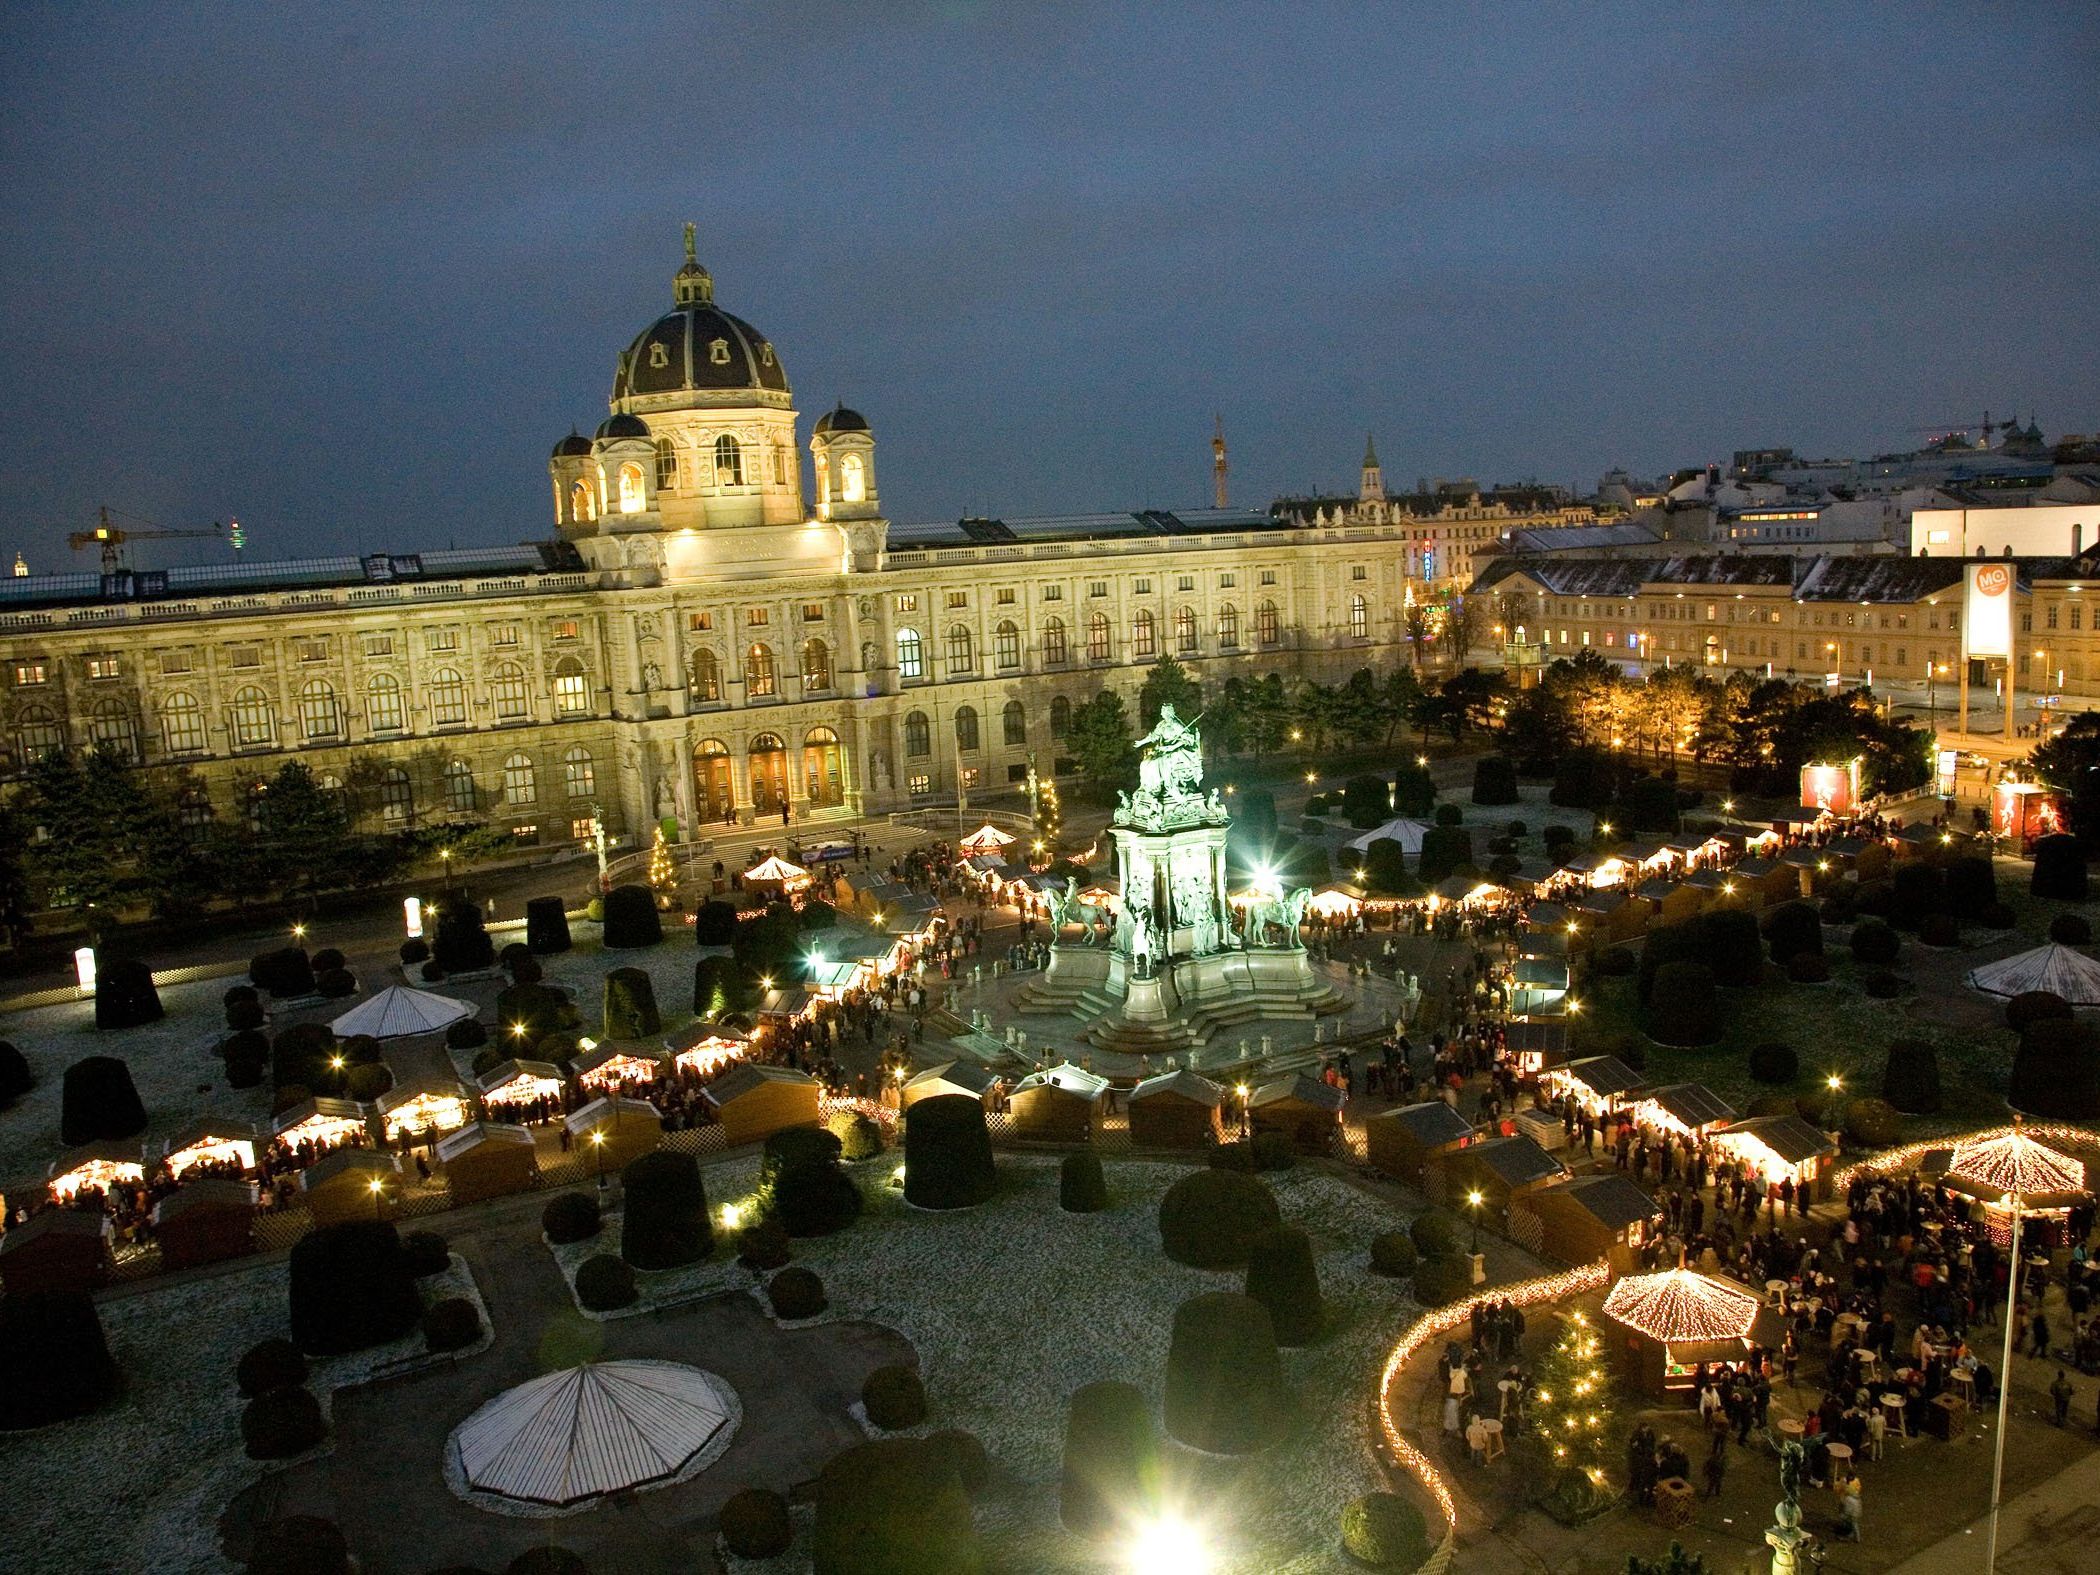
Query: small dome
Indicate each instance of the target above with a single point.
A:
(623, 426)
(841, 419)
(572, 446)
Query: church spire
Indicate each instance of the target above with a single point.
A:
(1373, 488)
(1217, 461)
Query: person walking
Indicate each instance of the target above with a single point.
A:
(2060, 1397)
(1716, 1469)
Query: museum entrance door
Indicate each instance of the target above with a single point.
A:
(714, 787)
(769, 774)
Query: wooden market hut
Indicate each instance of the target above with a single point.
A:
(756, 1100)
(509, 1083)
(96, 1167)
(1810, 865)
(968, 1078)
(1866, 857)
(1599, 1083)
(418, 1109)
(1538, 984)
(1500, 1169)
(703, 1051)
(1921, 840)
(1682, 1109)
(610, 1132)
(1177, 1110)
(488, 1159)
(1612, 913)
(1714, 886)
(351, 1184)
(205, 1221)
(609, 1066)
(1778, 1147)
(323, 1122)
(1543, 943)
(1669, 1324)
(1546, 916)
(1303, 1108)
(1587, 1218)
(1536, 1044)
(1673, 901)
(1060, 1104)
(1766, 882)
(214, 1140)
(56, 1250)
(1404, 1142)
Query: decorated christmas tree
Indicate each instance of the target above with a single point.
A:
(1046, 812)
(663, 874)
(1571, 1420)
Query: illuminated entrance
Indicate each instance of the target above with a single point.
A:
(715, 791)
(769, 774)
(823, 784)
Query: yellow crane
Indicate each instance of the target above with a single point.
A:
(111, 538)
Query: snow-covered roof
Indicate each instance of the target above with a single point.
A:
(400, 1010)
(2060, 970)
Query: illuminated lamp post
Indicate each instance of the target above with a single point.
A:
(598, 1144)
(378, 1186)
(1473, 1202)
(1836, 1085)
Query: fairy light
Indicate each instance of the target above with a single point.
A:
(2014, 1162)
(1682, 1305)
(1890, 1161)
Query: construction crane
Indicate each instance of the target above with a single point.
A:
(111, 538)
(1987, 426)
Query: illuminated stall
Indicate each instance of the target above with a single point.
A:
(2014, 1172)
(1596, 871)
(775, 876)
(1778, 1148)
(704, 1051)
(1304, 1109)
(609, 1067)
(1679, 1320)
(1598, 1084)
(1762, 882)
(508, 1084)
(1538, 985)
(987, 838)
(1681, 1110)
(1536, 1045)
(1672, 901)
(1611, 913)
(1338, 901)
(322, 1123)
(211, 1142)
(1541, 941)
(1464, 892)
(95, 1167)
(422, 1108)
(1499, 1169)
(754, 1101)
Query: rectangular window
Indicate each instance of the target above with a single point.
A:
(377, 645)
(444, 639)
(971, 776)
(907, 604)
(1358, 572)
(580, 828)
(757, 617)
(1053, 593)
(1005, 596)
(701, 622)
(527, 835)
(503, 634)
(112, 666)
(172, 662)
(1268, 576)
(920, 785)
(243, 656)
(561, 629)
(29, 674)
(1186, 582)
(314, 648)
(1227, 581)
(1097, 587)
(1142, 588)
(812, 612)
(958, 598)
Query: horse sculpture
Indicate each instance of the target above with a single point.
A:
(1286, 912)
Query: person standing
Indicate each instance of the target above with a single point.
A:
(2060, 1397)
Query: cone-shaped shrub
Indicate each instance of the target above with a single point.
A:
(1910, 1078)
(351, 1288)
(1793, 929)
(1210, 1218)
(124, 994)
(2056, 1072)
(546, 925)
(630, 1005)
(1111, 1461)
(631, 919)
(1282, 1277)
(947, 1153)
(54, 1362)
(665, 1222)
(893, 1507)
(99, 1102)
(2059, 869)
(1082, 1188)
(1225, 1390)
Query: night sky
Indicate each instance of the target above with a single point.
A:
(349, 271)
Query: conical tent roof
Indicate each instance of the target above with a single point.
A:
(564, 1439)
(774, 867)
(401, 1010)
(1408, 833)
(2060, 970)
(1682, 1305)
(987, 838)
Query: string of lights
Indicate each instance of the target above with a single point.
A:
(1682, 1305)
(2015, 1163)
(1892, 1160)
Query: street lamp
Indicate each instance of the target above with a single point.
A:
(1836, 1085)
(1242, 1090)
(1473, 1202)
(378, 1186)
(598, 1143)
(298, 932)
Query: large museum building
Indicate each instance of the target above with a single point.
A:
(696, 639)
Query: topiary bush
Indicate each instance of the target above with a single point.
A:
(1873, 1122)
(546, 925)
(1915, 891)
(722, 984)
(893, 1507)
(1111, 1459)
(334, 983)
(124, 994)
(2059, 869)
(631, 919)
(1939, 929)
(1442, 1279)
(432, 972)
(1209, 1219)
(1615, 962)
(894, 1398)
(1495, 780)
(452, 1324)
(1910, 1077)
(1793, 929)
(664, 1224)
(351, 1288)
(281, 1423)
(947, 1153)
(247, 1056)
(1281, 1276)
(1393, 1254)
(1971, 884)
(54, 1361)
(366, 1083)
(461, 943)
(860, 1137)
(2071, 929)
(1809, 968)
(426, 1252)
(245, 1014)
(284, 974)
(605, 1283)
(299, 1545)
(630, 1005)
(815, 1199)
(415, 950)
(755, 1524)
(1684, 1009)
(267, 1365)
(99, 1102)
(540, 1009)
(1773, 1062)
(1444, 849)
(1082, 1186)
(1434, 1236)
(1237, 1155)
(2029, 1007)
(1874, 942)
(467, 1034)
(763, 1245)
(2056, 1072)
(1730, 946)
(1384, 1531)
(1272, 1151)
(795, 1292)
(714, 923)
(1225, 1391)
(964, 1455)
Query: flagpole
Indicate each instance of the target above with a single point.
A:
(2012, 1300)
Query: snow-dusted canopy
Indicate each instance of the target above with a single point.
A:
(2058, 969)
(399, 1011)
(1408, 833)
(987, 838)
(1681, 1305)
(2015, 1163)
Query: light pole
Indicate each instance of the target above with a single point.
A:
(1473, 1202)
(378, 1186)
(1836, 1085)
(598, 1143)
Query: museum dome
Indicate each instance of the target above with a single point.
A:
(697, 347)
(572, 446)
(841, 418)
(623, 426)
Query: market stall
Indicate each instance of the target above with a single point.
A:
(1680, 1320)
(1535, 1045)
(487, 1159)
(411, 1111)
(1587, 1218)
(607, 1068)
(2012, 1172)
(1306, 1110)
(95, 1167)
(987, 838)
(611, 1131)
(1061, 1104)
(351, 1184)
(1774, 1149)
(1598, 1084)
(400, 1012)
(1405, 1141)
(967, 1078)
(56, 1250)
(703, 1051)
(774, 876)
(754, 1101)
(210, 1219)
(220, 1144)
(1681, 1110)
(1177, 1110)
(509, 1084)
(1500, 1169)
(321, 1123)
(2062, 971)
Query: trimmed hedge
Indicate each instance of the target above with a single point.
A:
(1875, 942)
(1111, 1459)
(605, 1283)
(547, 925)
(894, 1398)
(1433, 1235)
(1809, 968)
(1082, 1186)
(1915, 891)
(815, 1199)
(755, 1524)
(124, 995)
(721, 985)
(427, 1253)
(963, 1454)
(893, 1507)
(1939, 929)
(452, 1324)
(1225, 1391)
(2056, 1072)
(947, 1153)
(99, 1102)
(461, 943)
(468, 1033)
(541, 1008)
(267, 1365)
(1273, 1151)
(2029, 1007)
(54, 1361)
(1282, 1276)
(1393, 1254)
(664, 1224)
(281, 1423)
(1684, 1009)
(1873, 1122)
(1730, 945)
(366, 1083)
(792, 1147)
(631, 919)
(2071, 929)
(1793, 929)
(284, 973)
(796, 1292)
(714, 923)
(1495, 780)
(1384, 1531)
(2059, 869)
(860, 1137)
(763, 1245)
(1209, 1219)
(335, 983)
(1444, 849)
(1910, 1077)
(630, 1005)
(351, 1288)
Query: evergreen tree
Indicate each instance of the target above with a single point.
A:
(1100, 740)
(1168, 683)
(1571, 1405)
(663, 874)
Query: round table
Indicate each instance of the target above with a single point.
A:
(1840, 1455)
(1790, 1428)
(1892, 1409)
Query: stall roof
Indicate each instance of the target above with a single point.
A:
(1535, 1036)
(1604, 1075)
(1542, 973)
(348, 1161)
(1184, 1084)
(1691, 1104)
(605, 1108)
(206, 1192)
(434, 1088)
(504, 1071)
(1682, 1304)
(400, 1011)
(477, 1134)
(1306, 1090)
(1537, 942)
(1791, 1138)
(1517, 1160)
(966, 1075)
(750, 1075)
(1066, 1078)
(1431, 1123)
(322, 1106)
(212, 1129)
(1612, 1200)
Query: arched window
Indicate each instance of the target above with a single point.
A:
(960, 657)
(1359, 618)
(823, 779)
(384, 712)
(666, 464)
(780, 464)
(760, 680)
(1054, 653)
(448, 698)
(507, 691)
(1144, 634)
(1098, 647)
(1060, 716)
(579, 775)
(37, 733)
(729, 462)
(254, 720)
(1265, 631)
(317, 711)
(816, 665)
(110, 727)
(1228, 628)
(966, 727)
(1014, 722)
(633, 495)
(182, 723)
(823, 481)
(583, 503)
(572, 690)
(397, 797)
(193, 808)
(853, 479)
(918, 736)
(703, 677)
(459, 787)
(1185, 630)
(520, 781)
(332, 785)
(911, 654)
(1006, 645)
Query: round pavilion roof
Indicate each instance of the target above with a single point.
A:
(1682, 1305)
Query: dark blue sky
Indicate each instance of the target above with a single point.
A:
(348, 271)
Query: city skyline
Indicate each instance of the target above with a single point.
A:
(355, 302)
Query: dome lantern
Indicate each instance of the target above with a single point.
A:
(692, 285)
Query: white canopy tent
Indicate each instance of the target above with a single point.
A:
(2060, 970)
(1408, 833)
(400, 1011)
(562, 1441)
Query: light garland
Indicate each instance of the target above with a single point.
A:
(2015, 1163)
(1682, 1305)
(1889, 1161)
(1442, 1320)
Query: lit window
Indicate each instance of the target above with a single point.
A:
(911, 654)
(816, 665)
(37, 733)
(1097, 637)
(254, 720)
(580, 829)
(812, 612)
(583, 503)
(701, 620)
(729, 462)
(1265, 623)
(906, 604)
(1006, 645)
(853, 479)
(760, 680)
(632, 492)
(459, 787)
(109, 666)
(920, 785)
(384, 711)
(757, 617)
(971, 776)
(503, 634)
(182, 723)
(958, 599)
(1185, 630)
(438, 640)
(579, 775)
(1144, 637)
(1054, 641)
(520, 782)
(966, 727)
(704, 678)
(572, 694)
(448, 698)
(1228, 628)
(397, 797)
(562, 628)
(1359, 618)
(666, 465)
(525, 835)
